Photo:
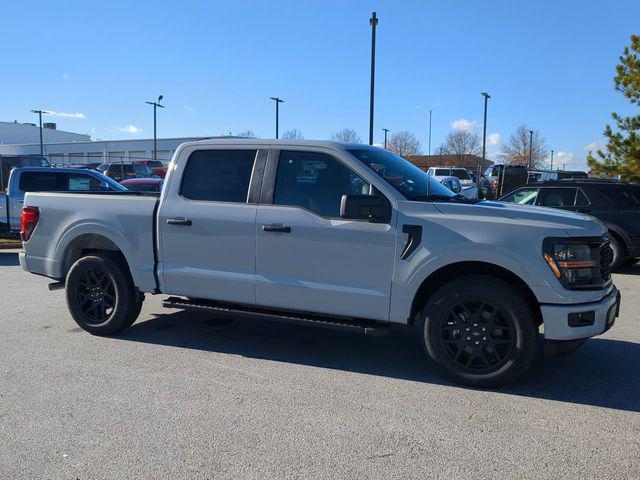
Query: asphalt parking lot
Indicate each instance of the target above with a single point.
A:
(183, 395)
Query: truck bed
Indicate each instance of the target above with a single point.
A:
(126, 219)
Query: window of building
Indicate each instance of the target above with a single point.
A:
(218, 175)
(316, 182)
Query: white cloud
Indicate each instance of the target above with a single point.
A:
(464, 124)
(562, 158)
(130, 129)
(64, 115)
(493, 140)
(66, 76)
(189, 108)
(594, 147)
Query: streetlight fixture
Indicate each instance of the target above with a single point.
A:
(484, 139)
(530, 148)
(552, 160)
(40, 112)
(278, 102)
(155, 139)
(373, 21)
(386, 130)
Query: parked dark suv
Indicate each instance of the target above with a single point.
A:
(124, 171)
(499, 179)
(615, 204)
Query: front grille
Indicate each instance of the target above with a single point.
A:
(606, 258)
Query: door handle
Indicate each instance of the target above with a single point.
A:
(179, 221)
(276, 227)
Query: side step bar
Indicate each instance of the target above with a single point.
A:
(367, 327)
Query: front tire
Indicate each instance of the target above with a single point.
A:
(480, 330)
(101, 296)
(619, 256)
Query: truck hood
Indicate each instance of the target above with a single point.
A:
(572, 223)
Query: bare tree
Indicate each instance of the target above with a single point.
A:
(293, 134)
(247, 134)
(347, 135)
(516, 150)
(404, 144)
(461, 142)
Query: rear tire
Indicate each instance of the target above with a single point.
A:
(480, 330)
(101, 296)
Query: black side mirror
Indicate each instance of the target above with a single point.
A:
(374, 208)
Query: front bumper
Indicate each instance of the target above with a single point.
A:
(556, 318)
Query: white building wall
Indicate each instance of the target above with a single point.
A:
(20, 133)
(101, 150)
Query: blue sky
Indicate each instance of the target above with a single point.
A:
(548, 64)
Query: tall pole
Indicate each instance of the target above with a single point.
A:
(39, 112)
(373, 21)
(429, 131)
(155, 138)
(552, 160)
(385, 137)
(278, 101)
(484, 139)
(530, 148)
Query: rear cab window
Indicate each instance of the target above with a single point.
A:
(218, 175)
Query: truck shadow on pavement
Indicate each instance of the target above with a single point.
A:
(9, 259)
(602, 373)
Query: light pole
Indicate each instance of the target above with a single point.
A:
(278, 102)
(429, 131)
(552, 160)
(40, 112)
(373, 21)
(484, 139)
(155, 139)
(385, 137)
(530, 148)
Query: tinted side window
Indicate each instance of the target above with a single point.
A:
(628, 198)
(524, 196)
(218, 175)
(581, 199)
(315, 181)
(41, 182)
(559, 197)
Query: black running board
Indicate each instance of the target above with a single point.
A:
(367, 327)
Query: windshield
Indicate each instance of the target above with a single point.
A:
(404, 176)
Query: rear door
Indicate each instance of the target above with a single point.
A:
(206, 224)
(308, 258)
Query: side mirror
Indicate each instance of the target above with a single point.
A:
(374, 208)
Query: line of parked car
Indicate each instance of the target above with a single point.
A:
(22, 174)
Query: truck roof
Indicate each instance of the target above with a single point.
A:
(288, 143)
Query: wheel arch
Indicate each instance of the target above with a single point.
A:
(88, 243)
(461, 269)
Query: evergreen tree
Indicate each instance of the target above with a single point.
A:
(622, 154)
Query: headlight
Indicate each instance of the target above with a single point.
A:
(571, 263)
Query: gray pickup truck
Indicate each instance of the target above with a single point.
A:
(340, 235)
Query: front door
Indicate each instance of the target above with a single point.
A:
(308, 258)
(207, 227)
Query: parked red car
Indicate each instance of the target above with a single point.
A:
(143, 184)
(156, 166)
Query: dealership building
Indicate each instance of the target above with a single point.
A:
(73, 148)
